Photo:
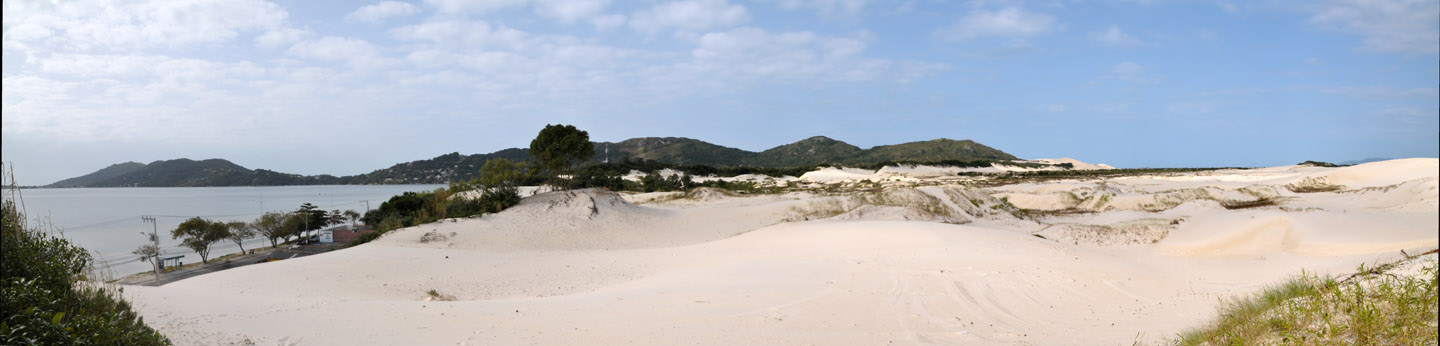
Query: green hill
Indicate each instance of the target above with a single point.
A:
(807, 152)
(930, 151)
(186, 172)
(100, 176)
(818, 150)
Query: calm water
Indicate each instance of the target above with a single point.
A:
(107, 220)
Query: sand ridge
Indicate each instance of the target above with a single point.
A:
(908, 264)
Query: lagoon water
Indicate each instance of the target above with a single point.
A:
(107, 221)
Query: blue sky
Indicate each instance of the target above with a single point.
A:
(345, 87)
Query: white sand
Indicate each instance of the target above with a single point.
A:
(589, 267)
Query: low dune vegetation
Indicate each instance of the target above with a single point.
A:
(1374, 306)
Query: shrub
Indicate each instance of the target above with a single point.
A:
(44, 299)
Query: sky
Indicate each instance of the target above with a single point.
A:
(347, 87)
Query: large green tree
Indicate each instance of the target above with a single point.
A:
(198, 234)
(239, 232)
(559, 147)
(314, 218)
(272, 226)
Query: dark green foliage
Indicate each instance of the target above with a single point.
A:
(597, 178)
(410, 208)
(398, 206)
(1318, 164)
(315, 218)
(559, 147)
(674, 150)
(1255, 203)
(44, 302)
(198, 234)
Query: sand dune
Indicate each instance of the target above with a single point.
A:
(906, 264)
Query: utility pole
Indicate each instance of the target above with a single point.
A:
(155, 237)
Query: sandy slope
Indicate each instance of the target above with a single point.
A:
(589, 267)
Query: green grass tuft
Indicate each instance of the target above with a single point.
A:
(1369, 308)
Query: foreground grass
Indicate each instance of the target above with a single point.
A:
(1371, 308)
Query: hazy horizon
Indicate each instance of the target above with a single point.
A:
(344, 88)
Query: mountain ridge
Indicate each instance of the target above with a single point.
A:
(812, 151)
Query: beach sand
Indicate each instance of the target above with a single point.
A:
(923, 261)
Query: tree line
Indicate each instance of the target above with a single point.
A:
(200, 234)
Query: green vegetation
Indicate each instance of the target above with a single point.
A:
(198, 234)
(45, 298)
(1370, 308)
(1254, 203)
(239, 232)
(560, 147)
(454, 167)
(1313, 184)
(1318, 164)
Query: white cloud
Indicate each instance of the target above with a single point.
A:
(331, 48)
(832, 8)
(1008, 22)
(90, 25)
(1401, 26)
(750, 53)
(571, 11)
(280, 36)
(689, 15)
(608, 22)
(1133, 73)
(378, 12)
(465, 34)
(1115, 37)
(474, 6)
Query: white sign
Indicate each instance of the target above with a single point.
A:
(327, 236)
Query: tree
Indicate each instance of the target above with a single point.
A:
(334, 218)
(148, 253)
(272, 226)
(295, 225)
(352, 216)
(559, 147)
(239, 231)
(314, 218)
(499, 172)
(199, 234)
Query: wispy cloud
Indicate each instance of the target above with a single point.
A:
(1400, 26)
(1115, 37)
(689, 15)
(1010, 22)
(378, 12)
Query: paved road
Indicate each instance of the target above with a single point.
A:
(232, 262)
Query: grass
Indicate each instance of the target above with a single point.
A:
(818, 209)
(434, 295)
(1371, 307)
(1312, 185)
(1254, 203)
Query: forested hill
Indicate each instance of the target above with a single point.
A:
(811, 151)
(186, 172)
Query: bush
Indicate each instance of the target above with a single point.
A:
(45, 301)
(496, 199)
